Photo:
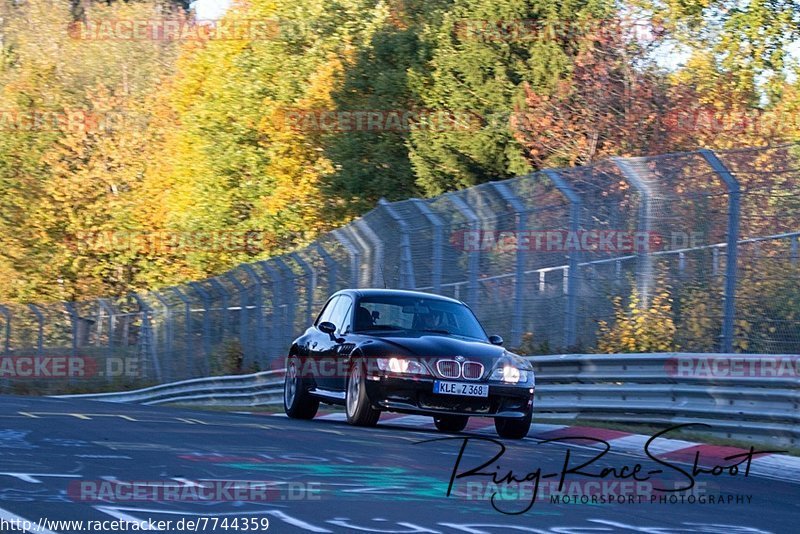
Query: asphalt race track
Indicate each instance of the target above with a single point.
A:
(326, 476)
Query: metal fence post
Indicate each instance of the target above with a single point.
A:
(406, 262)
(243, 321)
(111, 313)
(224, 295)
(145, 338)
(275, 320)
(331, 266)
(290, 290)
(73, 320)
(631, 169)
(734, 191)
(169, 330)
(5, 382)
(6, 330)
(378, 277)
(521, 216)
(40, 331)
(573, 260)
(206, 297)
(258, 304)
(187, 329)
(355, 256)
(311, 283)
(473, 261)
(436, 257)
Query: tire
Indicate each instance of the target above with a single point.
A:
(359, 412)
(451, 423)
(297, 402)
(511, 428)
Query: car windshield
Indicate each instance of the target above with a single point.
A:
(377, 313)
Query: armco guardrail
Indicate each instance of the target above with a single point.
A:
(258, 389)
(741, 396)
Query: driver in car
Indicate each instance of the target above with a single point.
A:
(433, 320)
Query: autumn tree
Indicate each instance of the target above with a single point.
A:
(236, 163)
(375, 164)
(71, 148)
(730, 91)
(734, 86)
(485, 54)
(609, 103)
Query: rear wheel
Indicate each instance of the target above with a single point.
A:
(359, 412)
(451, 423)
(513, 428)
(297, 402)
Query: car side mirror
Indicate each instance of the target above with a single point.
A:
(327, 327)
(496, 340)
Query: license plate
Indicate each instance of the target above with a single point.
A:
(460, 388)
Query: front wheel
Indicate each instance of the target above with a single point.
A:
(513, 428)
(451, 423)
(359, 412)
(297, 402)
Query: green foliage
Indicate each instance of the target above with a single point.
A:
(370, 164)
(477, 73)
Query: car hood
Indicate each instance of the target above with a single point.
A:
(439, 346)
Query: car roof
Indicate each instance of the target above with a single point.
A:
(370, 292)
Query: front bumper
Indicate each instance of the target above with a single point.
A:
(415, 395)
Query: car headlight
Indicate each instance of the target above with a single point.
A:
(401, 365)
(510, 374)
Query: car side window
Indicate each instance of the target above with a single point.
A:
(340, 313)
(347, 321)
(327, 312)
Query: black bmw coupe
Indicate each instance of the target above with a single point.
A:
(375, 350)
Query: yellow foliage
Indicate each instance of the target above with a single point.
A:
(639, 327)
